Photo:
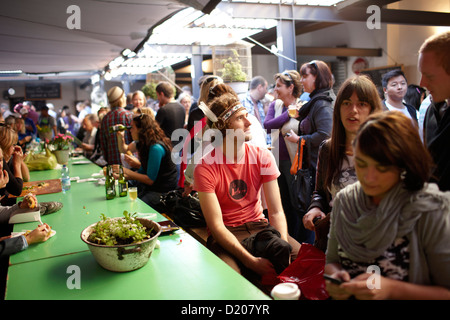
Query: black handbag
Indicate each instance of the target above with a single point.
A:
(185, 211)
(304, 179)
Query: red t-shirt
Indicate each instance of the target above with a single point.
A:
(237, 185)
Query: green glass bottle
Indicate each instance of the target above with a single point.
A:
(122, 183)
(110, 184)
(118, 127)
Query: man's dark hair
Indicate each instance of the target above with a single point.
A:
(391, 74)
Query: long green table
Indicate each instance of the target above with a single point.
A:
(62, 268)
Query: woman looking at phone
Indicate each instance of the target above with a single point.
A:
(391, 220)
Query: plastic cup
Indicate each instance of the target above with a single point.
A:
(132, 192)
(292, 110)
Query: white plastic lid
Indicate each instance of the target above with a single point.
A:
(286, 291)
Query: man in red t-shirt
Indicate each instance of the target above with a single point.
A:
(228, 180)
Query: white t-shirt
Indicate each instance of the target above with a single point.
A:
(392, 108)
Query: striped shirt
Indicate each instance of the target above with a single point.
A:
(108, 141)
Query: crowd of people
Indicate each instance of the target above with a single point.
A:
(381, 167)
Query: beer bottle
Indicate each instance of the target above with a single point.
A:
(122, 183)
(110, 185)
(118, 127)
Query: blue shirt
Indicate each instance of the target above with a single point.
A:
(156, 153)
(247, 102)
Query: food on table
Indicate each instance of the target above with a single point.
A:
(31, 200)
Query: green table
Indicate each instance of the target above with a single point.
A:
(181, 268)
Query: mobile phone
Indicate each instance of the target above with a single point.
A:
(332, 280)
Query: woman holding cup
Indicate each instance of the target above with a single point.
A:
(280, 124)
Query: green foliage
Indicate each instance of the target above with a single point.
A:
(126, 230)
(232, 68)
(149, 89)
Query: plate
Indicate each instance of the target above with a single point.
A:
(168, 226)
(23, 232)
(82, 162)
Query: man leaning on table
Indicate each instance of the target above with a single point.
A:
(228, 180)
(118, 115)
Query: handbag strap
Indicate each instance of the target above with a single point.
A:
(301, 144)
(307, 154)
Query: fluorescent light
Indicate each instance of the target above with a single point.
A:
(10, 71)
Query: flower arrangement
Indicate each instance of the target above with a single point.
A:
(61, 142)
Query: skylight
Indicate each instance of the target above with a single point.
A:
(296, 2)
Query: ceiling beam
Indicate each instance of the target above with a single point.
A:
(363, 3)
(339, 52)
(332, 14)
(329, 51)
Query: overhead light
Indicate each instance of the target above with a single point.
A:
(11, 91)
(6, 73)
(108, 76)
(128, 53)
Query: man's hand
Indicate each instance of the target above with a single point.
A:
(261, 266)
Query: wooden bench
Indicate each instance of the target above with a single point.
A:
(198, 233)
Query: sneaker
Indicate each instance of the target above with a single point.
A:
(49, 207)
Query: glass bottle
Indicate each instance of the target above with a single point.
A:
(118, 127)
(122, 183)
(110, 184)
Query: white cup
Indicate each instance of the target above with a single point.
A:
(286, 291)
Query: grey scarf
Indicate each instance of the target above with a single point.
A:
(365, 230)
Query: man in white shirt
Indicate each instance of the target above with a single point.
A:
(394, 87)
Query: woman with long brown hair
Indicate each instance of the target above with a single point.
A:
(356, 100)
(157, 173)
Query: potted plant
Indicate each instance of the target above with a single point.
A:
(233, 65)
(149, 89)
(122, 244)
(232, 68)
(60, 146)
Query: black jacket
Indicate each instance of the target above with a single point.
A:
(316, 121)
(437, 139)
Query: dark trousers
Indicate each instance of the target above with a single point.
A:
(294, 218)
(242, 232)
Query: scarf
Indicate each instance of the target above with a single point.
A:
(365, 230)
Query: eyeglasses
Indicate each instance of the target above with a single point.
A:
(285, 73)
